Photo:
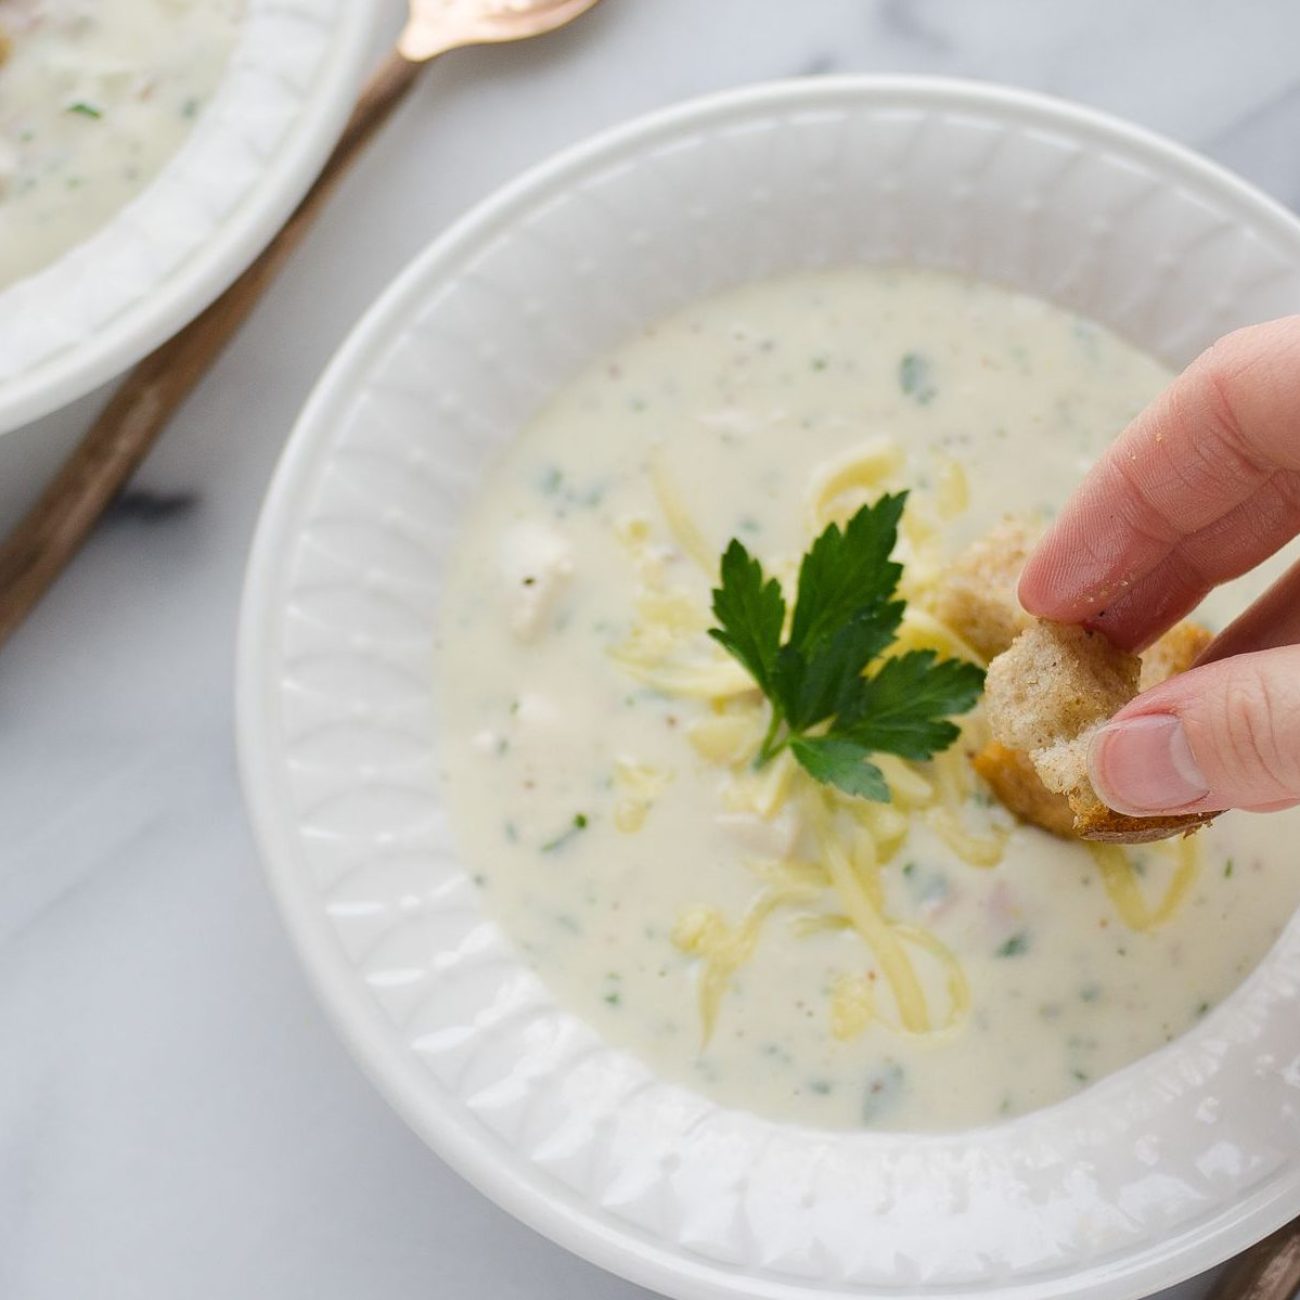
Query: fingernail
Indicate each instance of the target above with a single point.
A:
(1145, 765)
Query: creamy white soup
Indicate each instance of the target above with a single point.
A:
(95, 96)
(923, 964)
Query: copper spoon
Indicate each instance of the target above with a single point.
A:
(52, 531)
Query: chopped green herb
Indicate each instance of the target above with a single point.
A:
(82, 109)
(614, 998)
(821, 1087)
(1090, 993)
(1081, 1075)
(916, 379)
(1015, 946)
(820, 363)
(845, 617)
(1227, 869)
(1202, 1009)
(579, 823)
(551, 480)
(190, 108)
(928, 886)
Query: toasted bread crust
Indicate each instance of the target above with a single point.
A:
(1110, 827)
(1011, 776)
(977, 595)
(1049, 688)
(1046, 697)
(1054, 683)
(1174, 653)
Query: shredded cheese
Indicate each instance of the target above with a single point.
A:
(703, 932)
(842, 485)
(853, 1006)
(638, 786)
(952, 492)
(683, 528)
(922, 631)
(839, 847)
(1121, 883)
(864, 916)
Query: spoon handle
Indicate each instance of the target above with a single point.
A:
(52, 531)
(1267, 1271)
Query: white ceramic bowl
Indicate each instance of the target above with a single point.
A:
(1146, 1178)
(104, 304)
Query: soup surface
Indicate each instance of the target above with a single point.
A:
(95, 96)
(596, 749)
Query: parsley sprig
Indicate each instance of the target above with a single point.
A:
(827, 709)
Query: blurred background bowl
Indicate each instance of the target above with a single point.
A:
(284, 96)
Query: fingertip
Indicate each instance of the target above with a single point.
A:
(1144, 765)
(1029, 590)
(1042, 589)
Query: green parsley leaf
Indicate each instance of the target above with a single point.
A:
(904, 708)
(82, 109)
(845, 618)
(841, 763)
(813, 689)
(752, 614)
(846, 572)
(577, 825)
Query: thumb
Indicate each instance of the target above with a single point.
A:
(1226, 735)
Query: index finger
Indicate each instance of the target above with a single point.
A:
(1201, 487)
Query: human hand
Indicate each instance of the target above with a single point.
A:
(1202, 486)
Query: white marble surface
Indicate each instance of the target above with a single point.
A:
(176, 1118)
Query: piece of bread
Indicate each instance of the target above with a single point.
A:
(1046, 697)
(1174, 653)
(977, 595)
(1011, 776)
(977, 598)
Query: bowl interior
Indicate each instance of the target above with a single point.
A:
(1149, 1176)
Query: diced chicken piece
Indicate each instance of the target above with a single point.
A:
(536, 563)
(773, 837)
